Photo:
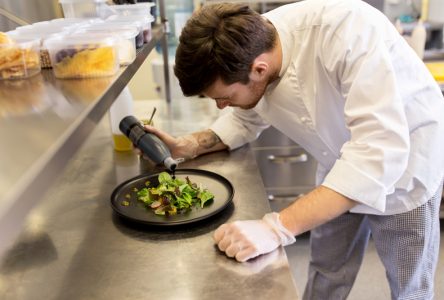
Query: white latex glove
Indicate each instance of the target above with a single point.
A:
(244, 240)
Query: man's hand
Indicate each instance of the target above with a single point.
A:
(244, 240)
(191, 145)
(181, 147)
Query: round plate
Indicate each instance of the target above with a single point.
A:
(221, 188)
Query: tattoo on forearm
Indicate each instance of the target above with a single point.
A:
(208, 139)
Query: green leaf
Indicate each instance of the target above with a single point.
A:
(172, 196)
(145, 196)
(164, 177)
(205, 196)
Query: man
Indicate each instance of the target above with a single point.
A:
(337, 78)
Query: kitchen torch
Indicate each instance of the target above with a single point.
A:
(147, 142)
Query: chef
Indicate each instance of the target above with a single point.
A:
(337, 78)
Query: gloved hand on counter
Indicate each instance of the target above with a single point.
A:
(181, 147)
(244, 240)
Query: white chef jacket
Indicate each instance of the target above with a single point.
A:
(355, 96)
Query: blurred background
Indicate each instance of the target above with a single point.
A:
(149, 82)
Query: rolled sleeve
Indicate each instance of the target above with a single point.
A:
(370, 192)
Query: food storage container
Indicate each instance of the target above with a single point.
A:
(83, 56)
(45, 62)
(123, 106)
(19, 58)
(144, 21)
(130, 23)
(134, 9)
(45, 30)
(83, 8)
(125, 39)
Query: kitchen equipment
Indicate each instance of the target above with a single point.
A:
(147, 142)
(124, 198)
(287, 170)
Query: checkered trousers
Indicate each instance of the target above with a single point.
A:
(407, 244)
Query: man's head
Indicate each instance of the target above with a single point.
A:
(219, 45)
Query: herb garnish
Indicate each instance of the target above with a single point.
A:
(173, 195)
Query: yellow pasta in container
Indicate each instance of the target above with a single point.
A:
(83, 56)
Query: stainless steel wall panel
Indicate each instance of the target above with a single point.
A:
(6, 24)
(32, 11)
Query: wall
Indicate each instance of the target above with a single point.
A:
(28, 11)
(142, 85)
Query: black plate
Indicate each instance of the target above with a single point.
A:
(137, 211)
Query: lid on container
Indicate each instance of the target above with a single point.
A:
(24, 27)
(134, 23)
(133, 9)
(21, 42)
(136, 6)
(80, 39)
(141, 18)
(45, 28)
(41, 36)
(125, 32)
(144, 5)
(74, 21)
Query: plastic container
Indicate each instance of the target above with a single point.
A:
(83, 8)
(126, 39)
(74, 22)
(143, 9)
(123, 106)
(45, 61)
(19, 58)
(126, 23)
(144, 21)
(83, 56)
(46, 27)
(45, 30)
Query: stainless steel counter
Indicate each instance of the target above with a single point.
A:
(74, 247)
(43, 121)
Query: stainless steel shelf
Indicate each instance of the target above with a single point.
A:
(43, 122)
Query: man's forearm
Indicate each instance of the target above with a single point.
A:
(208, 141)
(317, 207)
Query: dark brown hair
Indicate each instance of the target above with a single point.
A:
(220, 41)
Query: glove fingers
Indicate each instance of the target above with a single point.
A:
(233, 249)
(224, 243)
(246, 254)
(219, 233)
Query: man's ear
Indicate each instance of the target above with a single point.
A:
(259, 69)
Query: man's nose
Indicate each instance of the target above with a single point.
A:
(221, 103)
